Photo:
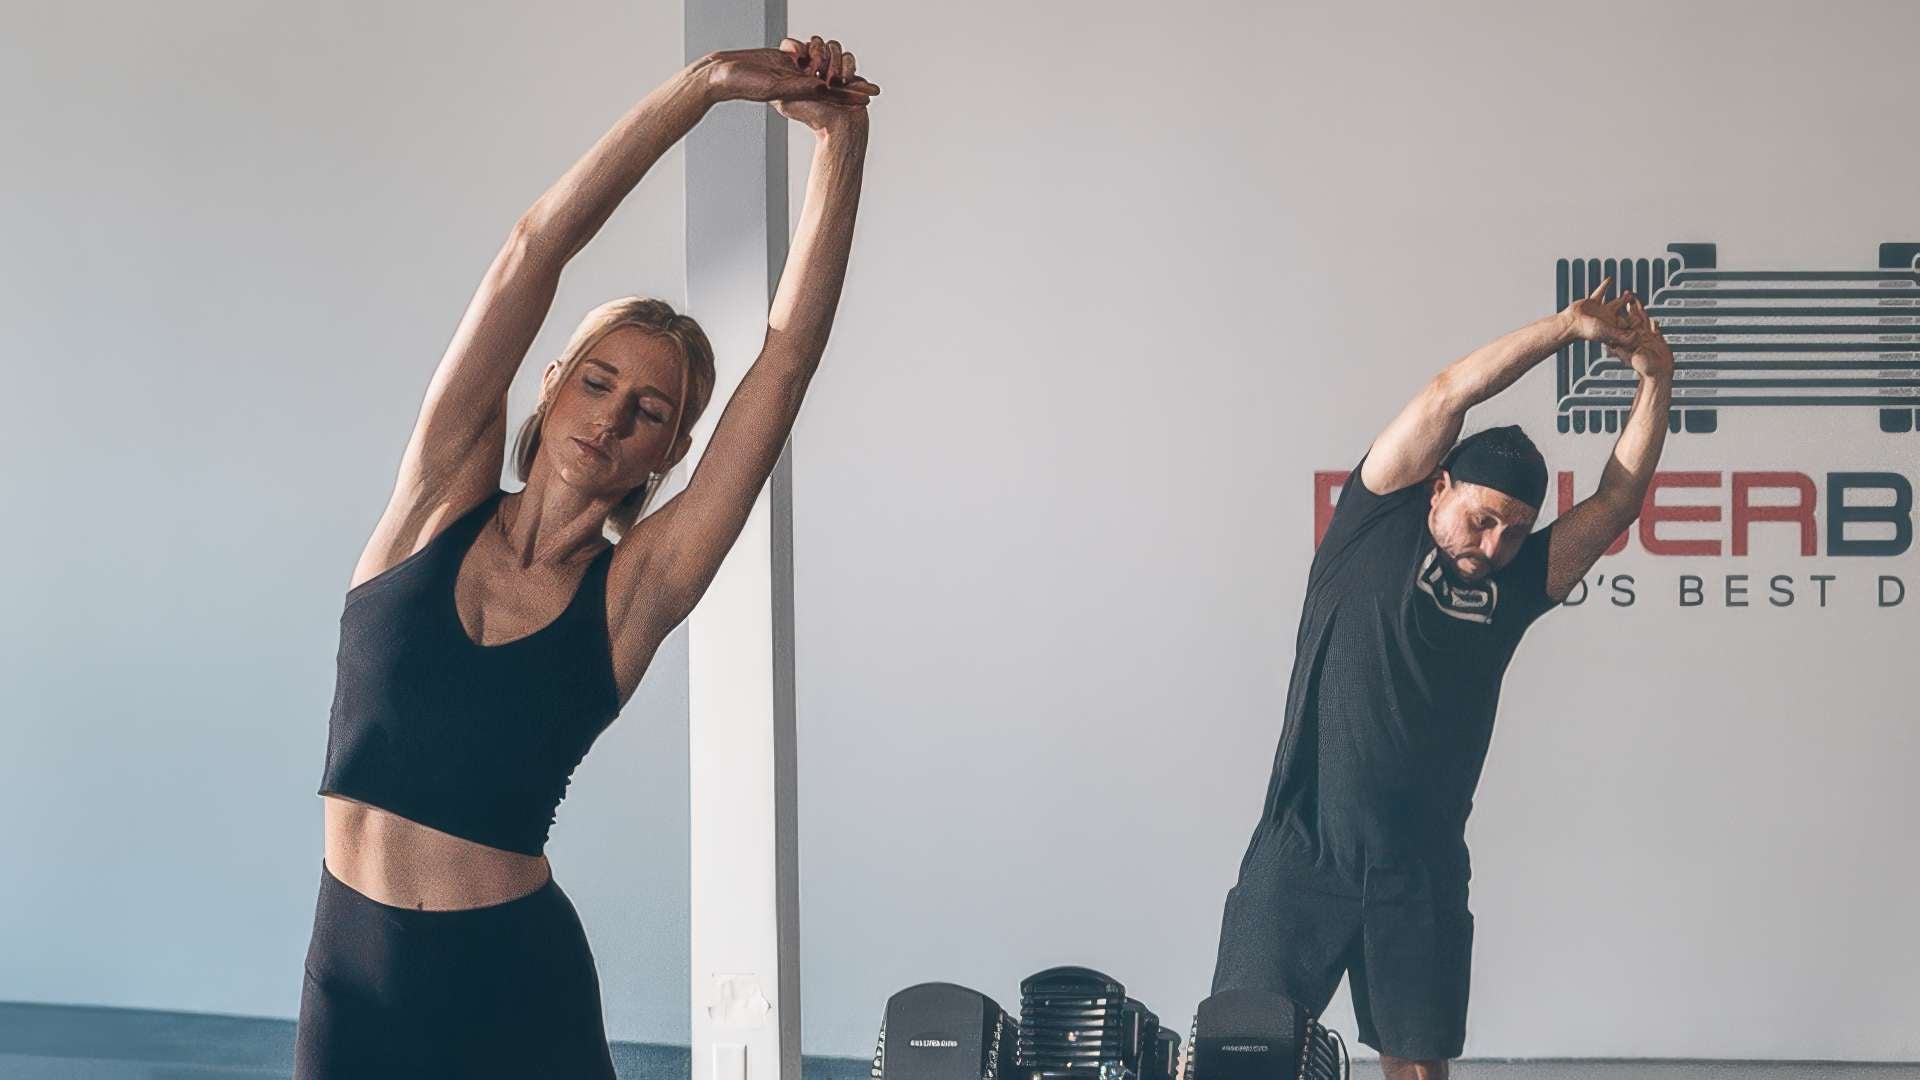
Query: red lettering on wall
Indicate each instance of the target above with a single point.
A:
(1741, 487)
(1745, 513)
(1324, 485)
(1652, 514)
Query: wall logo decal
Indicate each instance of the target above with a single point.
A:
(1756, 353)
(1748, 339)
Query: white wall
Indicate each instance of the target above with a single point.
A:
(238, 238)
(1125, 278)
(1127, 274)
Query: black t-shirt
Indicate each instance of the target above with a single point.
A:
(1396, 675)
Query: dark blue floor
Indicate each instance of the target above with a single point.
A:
(66, 1042)
(70, 1042)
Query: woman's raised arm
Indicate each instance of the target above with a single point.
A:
(683, 543)
(454, 456)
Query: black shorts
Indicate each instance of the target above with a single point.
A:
(503, 990)
(1404, 938)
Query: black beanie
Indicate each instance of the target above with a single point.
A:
(1504, 459)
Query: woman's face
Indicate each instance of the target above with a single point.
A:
(615, 418)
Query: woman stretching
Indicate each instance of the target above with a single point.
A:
(489, 637)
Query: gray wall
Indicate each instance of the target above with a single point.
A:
(1127, 274)
(239, 236)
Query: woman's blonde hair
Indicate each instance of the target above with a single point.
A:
(653, 316)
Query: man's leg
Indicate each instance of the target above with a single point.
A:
(1403, 1069)
(1280, 935)
(1411, 976)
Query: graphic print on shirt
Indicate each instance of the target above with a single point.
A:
(1469, 602)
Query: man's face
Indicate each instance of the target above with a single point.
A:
(1479, 530)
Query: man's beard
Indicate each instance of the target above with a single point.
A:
(1460, 577)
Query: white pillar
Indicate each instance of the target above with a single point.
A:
(745, 892)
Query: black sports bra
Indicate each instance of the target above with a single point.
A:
(479, 741)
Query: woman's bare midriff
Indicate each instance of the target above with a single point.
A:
(403, 863)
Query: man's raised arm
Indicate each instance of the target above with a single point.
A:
(1583, 533)
(1413, 445)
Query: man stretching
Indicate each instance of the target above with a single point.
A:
(1427, 576)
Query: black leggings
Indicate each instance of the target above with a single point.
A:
(503, 990)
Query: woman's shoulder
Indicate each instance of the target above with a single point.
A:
(409, 528)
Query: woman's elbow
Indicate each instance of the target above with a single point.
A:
(535, 240)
